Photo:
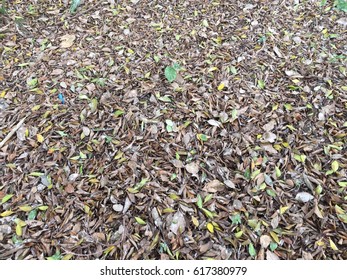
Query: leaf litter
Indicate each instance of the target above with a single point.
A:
(185, 129)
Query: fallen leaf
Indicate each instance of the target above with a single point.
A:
(304, 197)
(214, 186)
(192, 168)
(265, 241)
(67, 40)
(178, 223)
(270, 256)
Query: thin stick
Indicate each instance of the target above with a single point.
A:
(13, 131)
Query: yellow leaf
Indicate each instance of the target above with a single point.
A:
(332, 245)
(19, 230)
(40, 138)
(35, 108)
(216, 226)
(335, 165)
(6, 213)
(195, 221)
(221, 86)
(140, 221)
(274, 236)
(212, 69)
(86, 209)
(283, 209)
(210, 227)
(238, 234)
(320, 243)
(25, 208)
(2, 94)
(20, 222)
(339, 210)
(67, 257)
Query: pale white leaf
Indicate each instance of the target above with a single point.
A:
(265, 241)
(192, 168)
(214, 122)
(178, 223)
(270, 256)
(304, 197)
(117, 207)
(67, 40)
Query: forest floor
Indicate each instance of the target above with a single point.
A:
(173, 130)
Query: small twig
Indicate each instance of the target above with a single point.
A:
(13, 131)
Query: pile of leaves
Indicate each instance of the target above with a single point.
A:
(173, 130)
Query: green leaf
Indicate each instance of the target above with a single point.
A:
(247, 174)
(164, 98)
(61, 133)
(273, 246)
(74, 6)
(202, 137)
(33, 82)
(140, 221)
(93, 105)
(156, 58)
(32, 214)
(176, 66)
(55, 257)
(208, 213)
(141, 184)
(170, 73)
(208, 198)
(36, 174)
(329, 172)
(199, 201)
(255, 173)
(43, 208)
(271, 192)
(6, 198)
(342, 184)
(300, 158)
(234, 114)
(341, 5)
(278, 172)
(118, 113)
(261, 84)
(233, 70)
(319, 189)
(236, 219)
(251, 250)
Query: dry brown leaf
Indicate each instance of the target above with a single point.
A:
(67, 40)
